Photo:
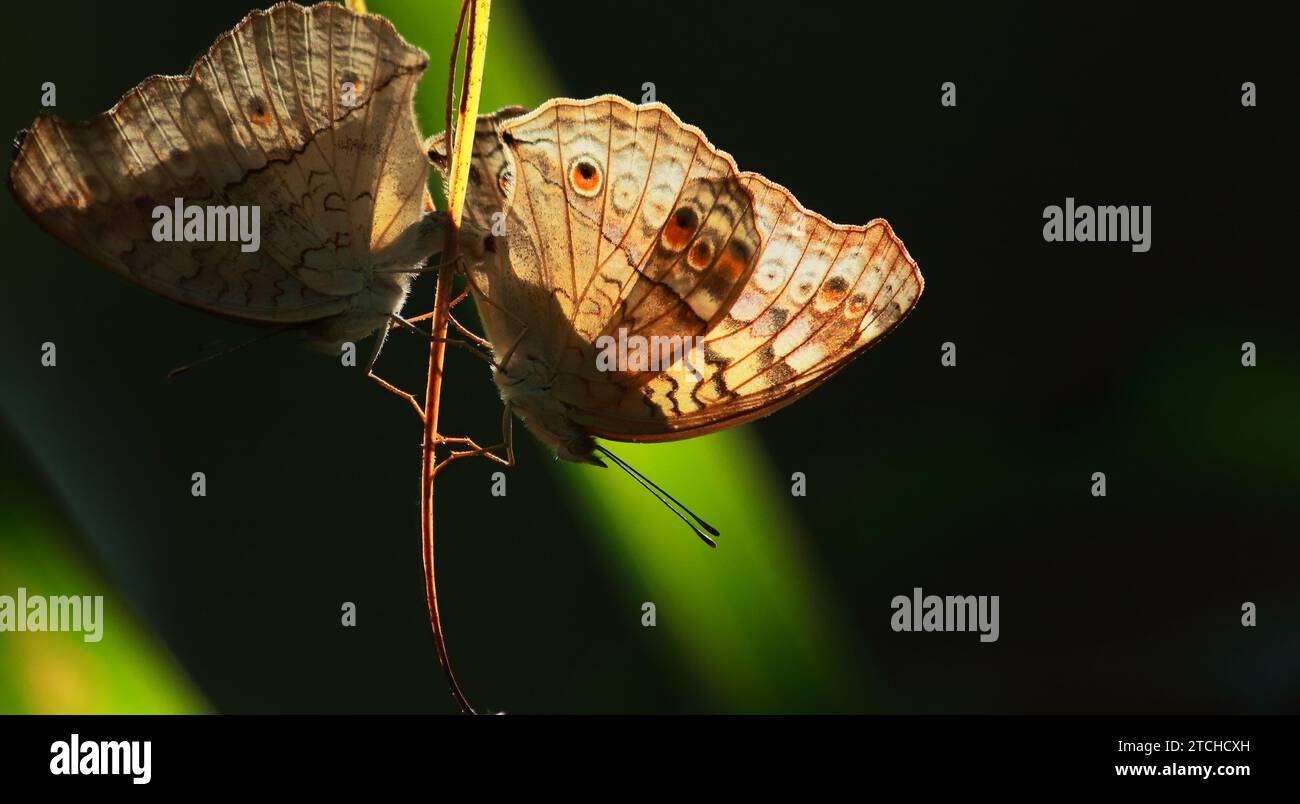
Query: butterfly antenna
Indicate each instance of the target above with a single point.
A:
(670, 502)
(261, 337)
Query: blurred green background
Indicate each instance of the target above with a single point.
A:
(966, 480)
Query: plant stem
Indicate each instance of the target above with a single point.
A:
(460, 158)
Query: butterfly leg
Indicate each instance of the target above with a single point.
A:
(472, 449)
(511, 351)
(475, 350)
(482, 342)
(370, 372)
(424, 316)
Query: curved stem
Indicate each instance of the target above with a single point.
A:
(437, 353)
(469, 97)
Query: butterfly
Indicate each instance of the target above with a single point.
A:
(599, 220)
(305, 114)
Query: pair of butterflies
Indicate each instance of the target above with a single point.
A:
(584, 219)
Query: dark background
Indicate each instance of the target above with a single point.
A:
(1072, 358)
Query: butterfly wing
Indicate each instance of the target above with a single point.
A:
(305, 113)
(671, 239)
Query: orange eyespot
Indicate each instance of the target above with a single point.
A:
(680, 228)
(732, 262)
(504, 178)
(700, 254)
(258, 112)
(584, 175)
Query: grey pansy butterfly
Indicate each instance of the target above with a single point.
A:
(304, 114)
(599, 221)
